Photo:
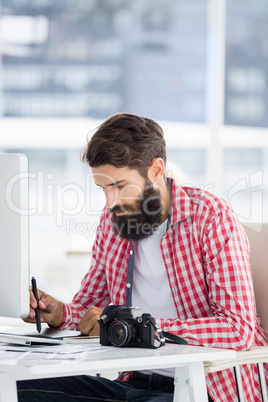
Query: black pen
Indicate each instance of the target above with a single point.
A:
(37, 312)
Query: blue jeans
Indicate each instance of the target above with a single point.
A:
(140, 388)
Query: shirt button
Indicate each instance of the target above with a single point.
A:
(131, 252)
(128, 285)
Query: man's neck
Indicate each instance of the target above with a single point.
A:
(165, 194)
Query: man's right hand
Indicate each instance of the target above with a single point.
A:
(51, 309)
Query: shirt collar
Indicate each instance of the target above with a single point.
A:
(180, 206)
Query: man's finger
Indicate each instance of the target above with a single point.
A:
(41, 304)
(95, 331)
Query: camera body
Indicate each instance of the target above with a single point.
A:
(126, 326)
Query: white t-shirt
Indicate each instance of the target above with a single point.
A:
(151, 291)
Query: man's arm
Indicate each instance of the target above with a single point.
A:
(93, 291)
(225, 254)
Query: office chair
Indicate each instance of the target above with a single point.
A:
(258, 239)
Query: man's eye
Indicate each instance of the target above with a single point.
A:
(119, 186)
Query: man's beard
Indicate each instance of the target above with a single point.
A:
(143, 217)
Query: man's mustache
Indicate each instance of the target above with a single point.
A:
(122, 208)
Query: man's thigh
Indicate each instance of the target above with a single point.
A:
(87, 388)
(74, 388)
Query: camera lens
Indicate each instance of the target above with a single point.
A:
(121, 332)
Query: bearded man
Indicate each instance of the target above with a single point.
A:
(179, 253)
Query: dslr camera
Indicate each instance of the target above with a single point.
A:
(127, 326)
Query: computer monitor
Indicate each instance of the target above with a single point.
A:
(14, 236)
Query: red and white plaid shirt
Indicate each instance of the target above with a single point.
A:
(206, 255)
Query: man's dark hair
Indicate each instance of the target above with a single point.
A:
(126, 140)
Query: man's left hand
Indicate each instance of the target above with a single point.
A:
(89, 323)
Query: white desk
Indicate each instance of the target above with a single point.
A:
(188, 360)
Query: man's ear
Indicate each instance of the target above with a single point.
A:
(156, 170)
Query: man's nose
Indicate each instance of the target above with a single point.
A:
(111, 197)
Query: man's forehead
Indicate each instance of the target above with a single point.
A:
(109, 175)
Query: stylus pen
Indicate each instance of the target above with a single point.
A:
(37, 312)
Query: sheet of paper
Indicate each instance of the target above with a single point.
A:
(33, 355)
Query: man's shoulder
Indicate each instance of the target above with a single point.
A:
(204, 200)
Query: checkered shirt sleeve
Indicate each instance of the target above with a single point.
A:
(93, 290)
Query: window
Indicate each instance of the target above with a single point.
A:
(69, 65)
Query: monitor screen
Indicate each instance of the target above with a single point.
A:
(14, 236)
